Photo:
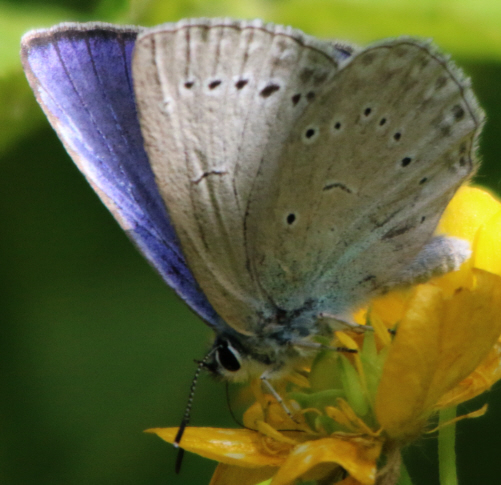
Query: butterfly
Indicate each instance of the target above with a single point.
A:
(275, 181)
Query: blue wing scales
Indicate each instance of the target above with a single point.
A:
(81, 75)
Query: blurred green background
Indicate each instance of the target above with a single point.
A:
(94, 348)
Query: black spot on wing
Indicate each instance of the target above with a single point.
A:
(269, 90)
(295, 99)
(241, 83)
(214, 84)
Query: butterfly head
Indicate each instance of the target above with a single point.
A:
(232, 360)
(239, 358)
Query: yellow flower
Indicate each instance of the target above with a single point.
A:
(355, 412)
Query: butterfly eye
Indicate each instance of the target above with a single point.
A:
(227, 358)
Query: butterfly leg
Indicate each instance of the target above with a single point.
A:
(319, 346)
(438, 257)
(342, 323)
(274, 393)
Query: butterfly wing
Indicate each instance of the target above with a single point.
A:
(363, 178)
(302, 180)
(217, 99)
(81, 75)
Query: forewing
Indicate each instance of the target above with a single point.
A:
(81, 75)
(364, 177)
(217, 100)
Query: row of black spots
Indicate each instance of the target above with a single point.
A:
(211, 85)
(463, 161)
(240, 84)
(405, 162)
(396, 136)
(367, 112)
(310, 96)
(266, 92)
(382, 121)
(445, 125)
(458, 111)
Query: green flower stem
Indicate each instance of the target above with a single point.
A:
(446, 448)
(405, 478)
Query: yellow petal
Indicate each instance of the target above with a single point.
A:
(241, 447)
(269, 431)
(479, 381)
(390, 308)
(470, 327)
(317, 459)
(232, 475)
(410, 365)
(473, 414)
(487, 253)
(438, 343)
(469, 209)
(273, 414)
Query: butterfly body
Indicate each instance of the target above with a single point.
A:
(298, 177)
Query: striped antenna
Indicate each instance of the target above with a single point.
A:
(187, 413)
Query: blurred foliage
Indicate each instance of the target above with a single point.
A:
(461, 27)
(93, 347)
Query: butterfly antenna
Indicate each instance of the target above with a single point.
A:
(187, 413)
(228, 402)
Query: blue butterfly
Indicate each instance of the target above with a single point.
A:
(274, 181)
